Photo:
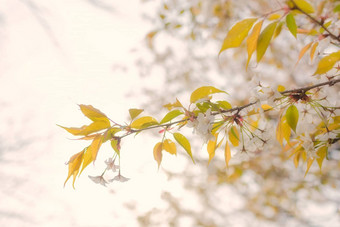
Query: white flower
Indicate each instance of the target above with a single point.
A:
(204, 125)
(323, 45)
(270, 95)
(111, 164)
(98, 180)
(120, 178)
(308, 145)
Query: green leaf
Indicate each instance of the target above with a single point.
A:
(114, 145)
(171, 115)
(292, 117)
(278, 29)
(110, 133)
(204, 92)
(224, 105)
(135, 112)
(183, 141)
(143, 122)
(327, 63)
(291, 24)
(326, 25)
(305, 6)
(237, 34)
(336, 9)
(264, 40)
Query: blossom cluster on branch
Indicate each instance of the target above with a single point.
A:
(303, 122)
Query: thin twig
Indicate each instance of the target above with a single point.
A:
(304, 89)
(317, 22)
(239, 108)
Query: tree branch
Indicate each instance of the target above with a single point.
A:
(238, 108)
(337, 38)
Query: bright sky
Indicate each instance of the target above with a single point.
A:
(55, 55)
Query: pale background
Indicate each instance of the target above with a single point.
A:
(53, 56)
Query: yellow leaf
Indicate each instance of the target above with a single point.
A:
(327, 63)
(143, 122)
(91, 152)
(157, 153)
(274, 16)
(296, 150)
(312, 50)
(203, 92)
(234, 136)
(169, 146)
(184, 142)
(279, 134)
(322, 154)
(135, 112)
(289, 146)
(304, 5)
(303, 51)
(280, 88)
(264, 40)
(237, 34)
(297, 159)
(74, 165)
(283, 131)
(309, 164)
(252, 40)
(286, 131)
(93, 113)
(211, 147)
(266, 107)
(88, 129)
(227, 153)
(176, 104)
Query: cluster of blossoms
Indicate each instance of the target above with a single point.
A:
(110, 165)
(202, 125)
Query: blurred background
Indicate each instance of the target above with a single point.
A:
(117, 55)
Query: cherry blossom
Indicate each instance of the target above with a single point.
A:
(98, 180)
(110, 163)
